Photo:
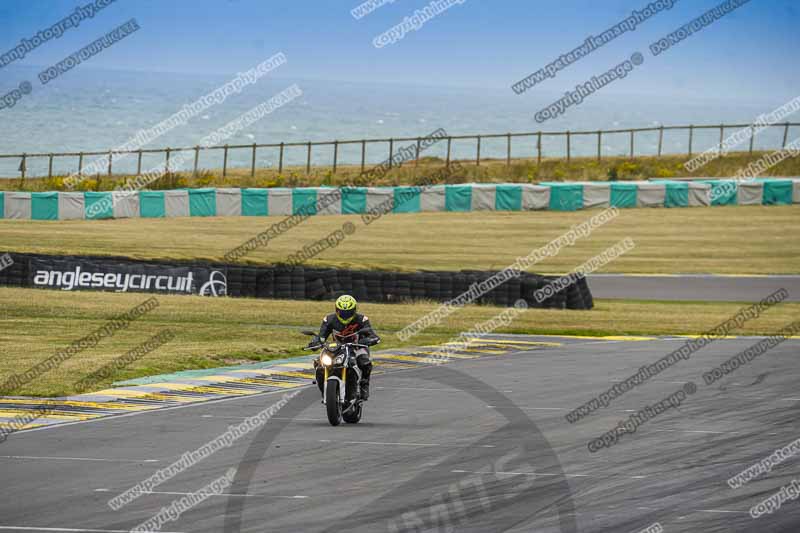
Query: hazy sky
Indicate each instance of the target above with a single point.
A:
(748, 54)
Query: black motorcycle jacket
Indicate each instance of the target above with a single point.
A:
(360, 325)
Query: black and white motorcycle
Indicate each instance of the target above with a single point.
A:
(339, 376)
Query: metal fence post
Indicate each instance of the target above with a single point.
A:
(539, 148)
(139, 164)
(280, 160)
(23, 166)
(508, 149)
(166, 164)
(721, 129)
(599, 144)
(50, 167)
(632, 144)
(335, 154)
(363, 154)
(225, 162)
(253, 163)
(660, 139)
(752, 136)
(478, 154)
(785, 134)
(568, 146)
(691, 133)
(416, 159)
(110, 158)
(80, 165)
(196, 160)
(308, 160)
(391, 153)
(449, 142)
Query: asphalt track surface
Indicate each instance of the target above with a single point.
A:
(692, 287)
(485, 439)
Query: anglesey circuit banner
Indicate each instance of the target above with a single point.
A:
(91, 274)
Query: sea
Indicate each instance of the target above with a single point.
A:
(98, 110)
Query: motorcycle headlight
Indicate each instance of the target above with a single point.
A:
(339, 360)
(326, 360)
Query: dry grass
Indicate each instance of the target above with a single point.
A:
(728, 240)
(217, 332)
(493, 171)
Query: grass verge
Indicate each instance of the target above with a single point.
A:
(227, 331)
(722, 240)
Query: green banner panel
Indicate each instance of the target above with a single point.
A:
(623, 195)
(565, 196)
(151, 204)
(103, 209)
(2, 204)
(304, 201)
(202, 203)
(254, 202)
(44, 206)
(406, 200)
(354, 200)
(458, 198)
(508, 198)
(723, 192)
(677, 194)
(778, 192)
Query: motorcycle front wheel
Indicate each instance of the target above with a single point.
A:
(332, 405)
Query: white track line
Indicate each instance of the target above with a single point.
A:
(226, 494)
(406, 443)
(31, 528)
(534, 474)
(80, 459)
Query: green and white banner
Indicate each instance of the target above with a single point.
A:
(556, 196)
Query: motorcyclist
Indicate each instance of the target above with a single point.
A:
(346, 321)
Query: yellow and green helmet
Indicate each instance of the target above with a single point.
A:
(345, 308)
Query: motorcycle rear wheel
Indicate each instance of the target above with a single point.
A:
(332, 405)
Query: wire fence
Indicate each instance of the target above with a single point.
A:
(390, 144)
